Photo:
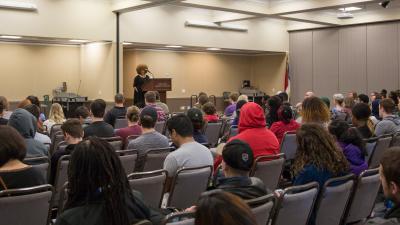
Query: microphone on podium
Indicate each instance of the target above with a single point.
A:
(152, 75)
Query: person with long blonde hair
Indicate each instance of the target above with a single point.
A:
(314, 110)
(56, 116)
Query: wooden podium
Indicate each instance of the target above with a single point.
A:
(162, 85)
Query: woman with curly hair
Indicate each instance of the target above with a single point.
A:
(314, 110)
(318, 157)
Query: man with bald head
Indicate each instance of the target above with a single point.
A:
(309, 94)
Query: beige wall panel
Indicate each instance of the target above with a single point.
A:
(301, 64)
(382, 57)
(353, 59)
(37, 69)
(325, 62)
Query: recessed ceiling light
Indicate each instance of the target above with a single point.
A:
(384, 4)
(213, 49)
(126, 43)
(10, 37)
(349, 9)
(78, 41)
(173, 46)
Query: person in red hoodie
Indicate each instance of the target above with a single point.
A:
(285, 124)
(253, 130)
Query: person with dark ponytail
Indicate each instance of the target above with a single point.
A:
(273, 105)
(132, 115)
(286, 122)
(350, 141)
(98, 189)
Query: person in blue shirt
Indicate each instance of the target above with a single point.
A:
(318, 157)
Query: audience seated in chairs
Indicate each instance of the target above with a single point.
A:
(390, 123)
(132, 115)
(6, 108)
(361, 114)
(35, 100)
(339, 112)
(284, 97)
(285, 124)
(318, 157)
(222, 208)
(106, 197)
(98, 127)
(26, 124)
(196, 116)
(237, 161)
(150, 138)
(3, 121)
(150, 99)
(375, 110)
(73, 134)
(210, 113)
(352, 145)
(314, 110)
(273, 104)
(233, 98)
(201, 100)
(252, 130)
(118, 111)
(56, 116)
(389, 171)
(189, 152)
(236, 115)
(309, 94)
(35, 111)
(363, 98)
(83, 114)
(13, 172)
(161, 104)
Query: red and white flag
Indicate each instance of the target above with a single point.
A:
(287, 77)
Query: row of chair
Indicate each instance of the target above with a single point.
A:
(342, 200)
(36, 203)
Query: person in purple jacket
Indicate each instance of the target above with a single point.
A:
(350, 140)
(233, 98)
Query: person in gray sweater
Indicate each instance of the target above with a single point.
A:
(390, 123)
(150, 138)
(25, 123)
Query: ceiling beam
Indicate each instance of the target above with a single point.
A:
(301, 6)
(134, 5)
(249, 10)
(253, 10)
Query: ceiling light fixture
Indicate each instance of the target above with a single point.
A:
(350, 9)
(211, 25)
(126, 43)
(173, 46)
(213, 49)
(78, 41)
(10, 37)
(384, 4)
(17, 5)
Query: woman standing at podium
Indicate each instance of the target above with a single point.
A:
(140, 79)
